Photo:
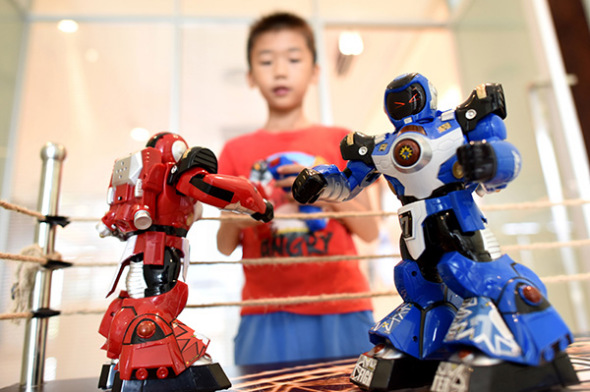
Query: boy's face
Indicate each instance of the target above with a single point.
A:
(282, 68)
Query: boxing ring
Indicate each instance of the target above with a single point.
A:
(43, 260)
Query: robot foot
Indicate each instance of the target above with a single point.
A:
(107, 376)
(203, 378)
(492, 375)
(386, 369)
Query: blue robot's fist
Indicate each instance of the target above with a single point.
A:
(267, 215)
(478, 161)
(308, 186)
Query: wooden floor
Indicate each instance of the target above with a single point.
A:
(327, 377)
(333, 376)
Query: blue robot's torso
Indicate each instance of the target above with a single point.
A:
(420, 163)
(419, 158)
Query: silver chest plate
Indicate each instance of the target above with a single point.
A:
(415, 160)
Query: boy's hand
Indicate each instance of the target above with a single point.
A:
(289, 172)
(240, 224)
(308, 186)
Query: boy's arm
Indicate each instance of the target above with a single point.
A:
(366, 228)
(228, 235)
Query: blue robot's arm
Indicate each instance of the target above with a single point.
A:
(488, 159)
(327, 182)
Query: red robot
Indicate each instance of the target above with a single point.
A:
(154, 198)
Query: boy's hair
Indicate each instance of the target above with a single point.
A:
(280, 21)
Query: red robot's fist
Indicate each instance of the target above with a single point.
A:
(267, 215)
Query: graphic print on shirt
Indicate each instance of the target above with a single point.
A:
(289, 237)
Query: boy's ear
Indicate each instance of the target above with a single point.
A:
(250, 78)
(315, 74)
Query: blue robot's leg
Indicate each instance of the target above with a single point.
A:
(409, 341)
(506, 317)
(418, 326)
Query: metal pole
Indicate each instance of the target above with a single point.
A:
(325, 102)
(33, 364)
(553, 184)
(565, 108)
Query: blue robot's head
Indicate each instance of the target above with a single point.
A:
(410, 98)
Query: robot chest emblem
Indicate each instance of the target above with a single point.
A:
(406, 152)
(411, 152)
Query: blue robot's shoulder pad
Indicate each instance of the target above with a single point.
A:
(358, 147)
(484, 99)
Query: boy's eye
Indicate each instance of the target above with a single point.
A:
(295, 60)
(265, 62)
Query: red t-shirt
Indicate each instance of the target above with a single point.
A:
(275, 281)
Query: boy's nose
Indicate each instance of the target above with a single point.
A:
(280, 68)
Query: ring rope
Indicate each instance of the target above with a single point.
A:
(15, 316)
(546, 245)
(23, 210)
(306, 259)
(498, 207)
(291, 260)
(23, 258)
(290, 300)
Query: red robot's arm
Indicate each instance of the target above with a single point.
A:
(225, 192)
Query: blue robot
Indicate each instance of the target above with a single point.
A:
(472, 319)
(265, 171)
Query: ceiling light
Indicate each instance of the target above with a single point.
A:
(140, 134)
(449, 98)
(350, 43)
(67, 26)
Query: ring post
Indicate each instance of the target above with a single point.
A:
(33, 364)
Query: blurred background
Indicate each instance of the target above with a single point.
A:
(99, 77)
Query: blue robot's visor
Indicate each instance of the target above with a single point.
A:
(404, 103)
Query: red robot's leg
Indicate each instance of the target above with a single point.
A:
(161, 276)
(154, 342)
(107, 321)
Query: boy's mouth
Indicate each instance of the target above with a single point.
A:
(281, 91)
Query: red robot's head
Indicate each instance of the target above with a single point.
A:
(171, 145)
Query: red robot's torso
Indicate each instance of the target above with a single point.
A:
(147, 212)
(140, 198)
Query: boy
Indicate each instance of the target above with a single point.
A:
(282, 65)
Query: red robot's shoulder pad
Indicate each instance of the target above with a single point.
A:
(134, 166)
(194, 157)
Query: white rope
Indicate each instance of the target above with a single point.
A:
(307, 259)
(23, 210)
(289, 300)
(39, 258)
(350, 214)
(16, 316)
